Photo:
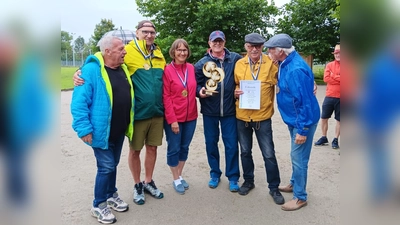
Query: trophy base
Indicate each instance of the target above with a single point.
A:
(211, 92)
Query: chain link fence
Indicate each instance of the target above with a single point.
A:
(74, 59)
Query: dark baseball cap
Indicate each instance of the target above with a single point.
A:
(217, 34)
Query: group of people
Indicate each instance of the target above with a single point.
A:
(131, 91)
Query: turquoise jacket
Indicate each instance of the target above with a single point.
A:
(91, 105)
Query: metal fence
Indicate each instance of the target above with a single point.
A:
(74, 59)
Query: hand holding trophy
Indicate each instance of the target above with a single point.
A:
(215, 74)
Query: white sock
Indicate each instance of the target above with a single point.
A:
(177, 182)
(180, 178)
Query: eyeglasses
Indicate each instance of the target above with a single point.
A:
(181, 50)
(146, 32)
(250, 46)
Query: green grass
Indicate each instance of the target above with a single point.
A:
(66, 77)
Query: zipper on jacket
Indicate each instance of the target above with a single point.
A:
(108, 119)
(154, 109)
(222, 91)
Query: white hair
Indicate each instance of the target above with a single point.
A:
(287, 51)
(106, 43)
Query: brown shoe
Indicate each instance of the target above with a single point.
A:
(288, 188)
(293, 204)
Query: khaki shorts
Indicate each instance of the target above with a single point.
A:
(149, 132)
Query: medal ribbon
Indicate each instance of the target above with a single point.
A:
(144, 55)
(184, 82)
(255, 76)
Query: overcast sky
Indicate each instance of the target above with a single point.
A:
(80, 17)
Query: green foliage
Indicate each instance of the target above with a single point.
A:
(103, 27)
(336, 12)
(165, 44)
(66, 39)
(195, 20)
(79, 44)
(66, 77)
(318, 71)
(312, 25)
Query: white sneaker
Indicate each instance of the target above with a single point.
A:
(103, 213)
(117, 204)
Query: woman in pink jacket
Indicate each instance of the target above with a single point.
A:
(179, 98)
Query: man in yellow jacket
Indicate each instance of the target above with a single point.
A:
(257, 72)
(145, 63)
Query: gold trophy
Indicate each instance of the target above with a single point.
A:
(215, 75)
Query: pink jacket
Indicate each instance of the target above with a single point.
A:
(179, 103)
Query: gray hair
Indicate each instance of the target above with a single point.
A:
(287, 51)
(107, 43)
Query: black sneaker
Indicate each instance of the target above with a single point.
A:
(277, 196)
(152, 189)
(246, 188)
(322, 141)
(335, 143)
(138, 194)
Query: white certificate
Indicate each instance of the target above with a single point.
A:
(250, 99)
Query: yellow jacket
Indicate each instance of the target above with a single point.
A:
(146, 75)
(268, 78)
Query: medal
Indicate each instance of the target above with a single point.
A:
(184, 93)
(146, 57)
(253, 68)
(183, 81)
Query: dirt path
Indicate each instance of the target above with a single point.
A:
(200, 204)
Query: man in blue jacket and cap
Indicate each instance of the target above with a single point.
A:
(219, 108)
(299, 110)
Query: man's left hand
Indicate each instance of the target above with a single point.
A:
(300, 139)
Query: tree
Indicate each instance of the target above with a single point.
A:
(66, 39)
(195, 20)
(79, 44)
(312, 25)
(103, 27)
(336, 12)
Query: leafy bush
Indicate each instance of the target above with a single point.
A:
(318, 71)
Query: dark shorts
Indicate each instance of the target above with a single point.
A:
(331, 104)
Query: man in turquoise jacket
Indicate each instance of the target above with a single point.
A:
(103, 112)
(145, 63)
